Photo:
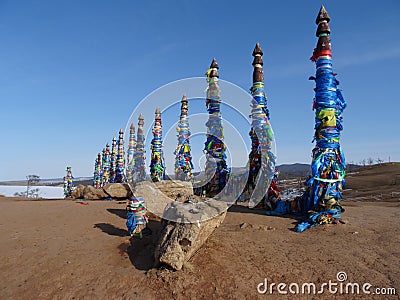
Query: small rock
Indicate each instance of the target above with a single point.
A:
(355, 232)
(269, 228)
(244, 225)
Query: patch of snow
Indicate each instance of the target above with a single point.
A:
(291, 193)
(50, 192)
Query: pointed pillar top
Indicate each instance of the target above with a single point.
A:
(213, 71)
(258, 73)
(184, 106)
(257, 50)
(323, 31)
(184, 98)
(158, 114)
(214, 64)
(141, 120)
(322, 22)
(257, 53)
(322, 15)
(132, 129)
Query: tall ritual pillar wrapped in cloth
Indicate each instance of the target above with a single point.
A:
(261, 158)
(103, 154)
(130, 165)
(106, 164)
(216, 168)
(139, 170)
(113, 161)
(183, 158)
(68, 183)
(120, 173)
(98, 174)
(324, 188)
(157, 165)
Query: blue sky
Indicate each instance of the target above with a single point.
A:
(72, 72)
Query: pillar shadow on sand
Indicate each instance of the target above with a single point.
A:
(246, 210)
(118, 212)
(111, 229)
(237, 208)
(141, 250)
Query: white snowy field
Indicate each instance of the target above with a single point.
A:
(50, 192)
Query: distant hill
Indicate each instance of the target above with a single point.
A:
(296, 170)
(377, 182)
(293, 170)
(287, 171)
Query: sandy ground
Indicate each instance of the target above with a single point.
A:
(59, 249)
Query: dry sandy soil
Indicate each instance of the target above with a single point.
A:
(59, 249)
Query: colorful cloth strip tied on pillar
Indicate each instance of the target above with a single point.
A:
(136, 216)
(157, 165)
(120, 172)
(183, 157)
(216, 168)
(68, 183)
(98, 174)
(106, 164)
(139, 173)
(262, 159)
(130, 168)
(324, 189)
(113, 161)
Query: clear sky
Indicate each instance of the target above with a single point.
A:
(72, 72)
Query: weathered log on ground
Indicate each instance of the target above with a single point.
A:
(158, 195)
(186, 227)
